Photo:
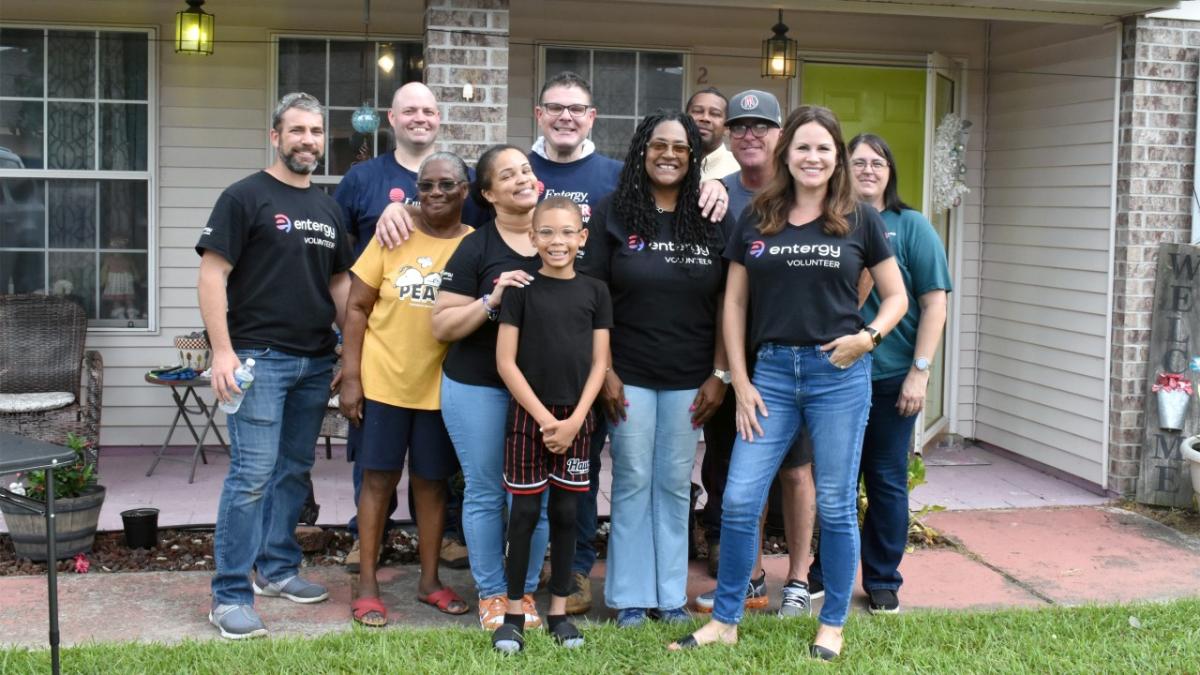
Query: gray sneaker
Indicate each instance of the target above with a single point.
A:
(237, 622)
(796, 600)
(294, 588)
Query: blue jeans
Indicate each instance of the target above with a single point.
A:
(474, 417)
(653, 451)
(272, 443)
(585, 509)
(800, 387)
(885, 475)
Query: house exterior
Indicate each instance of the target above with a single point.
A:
(113, 148)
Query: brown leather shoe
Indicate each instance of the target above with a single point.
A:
(580, 601)
(454, 554)
(352, 558)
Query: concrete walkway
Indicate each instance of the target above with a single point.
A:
(1004, 558)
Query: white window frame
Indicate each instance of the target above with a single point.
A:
(150, 175)
(323, 96)
(592, 48)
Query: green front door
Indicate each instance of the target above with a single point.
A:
(889, 102)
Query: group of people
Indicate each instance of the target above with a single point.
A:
(776, 296)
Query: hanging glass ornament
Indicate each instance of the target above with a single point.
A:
(365, 120)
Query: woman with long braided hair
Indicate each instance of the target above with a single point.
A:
(662, 260)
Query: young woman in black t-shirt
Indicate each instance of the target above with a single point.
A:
(795, 262)
(497, 256)
(662, 260)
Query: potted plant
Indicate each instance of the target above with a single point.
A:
(77, 502)
(1192, 456)
(1174, 391)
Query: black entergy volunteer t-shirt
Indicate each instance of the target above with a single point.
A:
(284, 243)
(665, 296)
(803, 282)
(472, 271)
(556, 318)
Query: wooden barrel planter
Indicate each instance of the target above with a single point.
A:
(75, 526)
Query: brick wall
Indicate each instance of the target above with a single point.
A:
(466, 41)
(1154, 187)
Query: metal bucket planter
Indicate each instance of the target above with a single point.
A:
(1172, 409)
(74, 527)
(1192, 456)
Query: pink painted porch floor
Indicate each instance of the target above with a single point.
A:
(964, 479)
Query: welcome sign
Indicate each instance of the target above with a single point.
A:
(1174, 346)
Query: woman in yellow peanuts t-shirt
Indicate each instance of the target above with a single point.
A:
(391, 376)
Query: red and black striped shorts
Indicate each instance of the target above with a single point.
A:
(529, 465)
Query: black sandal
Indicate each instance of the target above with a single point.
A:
(823, 653)
(508, 639)
(687, 642)
(567, 635)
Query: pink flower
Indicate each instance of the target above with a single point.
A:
(1172, 382)
(81, 564)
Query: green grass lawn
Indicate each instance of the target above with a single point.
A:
(1143, 638)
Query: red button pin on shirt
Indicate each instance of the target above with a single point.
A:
(396, 194)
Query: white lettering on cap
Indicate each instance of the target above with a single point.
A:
(749, 102)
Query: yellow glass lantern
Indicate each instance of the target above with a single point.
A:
(779, 53)
(194, 30)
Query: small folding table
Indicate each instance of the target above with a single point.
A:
(185, 410)
(18, 454)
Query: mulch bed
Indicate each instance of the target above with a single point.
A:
(192, 550)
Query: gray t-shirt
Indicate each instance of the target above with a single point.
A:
(739, 196)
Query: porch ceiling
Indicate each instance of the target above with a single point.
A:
(1095, 12)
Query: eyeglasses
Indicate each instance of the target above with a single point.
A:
(547, 234)
(576, 110)
(426, 186)
(877, 165)
(759, 129)
(661, 147)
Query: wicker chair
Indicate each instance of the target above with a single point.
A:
(42, 353)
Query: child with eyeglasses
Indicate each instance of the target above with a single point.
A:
(552, 353)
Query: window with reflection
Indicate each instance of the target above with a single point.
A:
(344, 74)
(626, 86)
(75, 169)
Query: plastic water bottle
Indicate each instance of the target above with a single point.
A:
(244, 376)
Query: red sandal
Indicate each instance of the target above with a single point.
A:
(442, 599)
(362, 607)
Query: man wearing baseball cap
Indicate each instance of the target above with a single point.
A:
(754, 127)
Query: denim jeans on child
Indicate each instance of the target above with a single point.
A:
(272, 443)
(653, 451)
(474, 416)
(800, 387)
(885, 473)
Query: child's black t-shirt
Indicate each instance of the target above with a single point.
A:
(803, 282)
(556, 318)
(472, 271)
(665, 296)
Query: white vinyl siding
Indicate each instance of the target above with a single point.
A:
(1046, 248)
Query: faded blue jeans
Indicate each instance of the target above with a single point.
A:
(800, 387)
(272, 443)
(474, 417)
(653, 451)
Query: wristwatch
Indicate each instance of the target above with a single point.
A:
(876, 336)
(722, 375)
(921, 363)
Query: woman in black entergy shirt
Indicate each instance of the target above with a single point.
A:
(795, 266)
(662, 260)
(498, 255)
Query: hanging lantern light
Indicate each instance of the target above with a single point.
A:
(194, 30)
(779, 53)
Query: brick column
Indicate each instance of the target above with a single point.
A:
(1154, 187)
(467, 41)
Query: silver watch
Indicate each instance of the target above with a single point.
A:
(722, 375)
(921, 363)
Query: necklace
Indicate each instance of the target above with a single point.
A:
(659, 209)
